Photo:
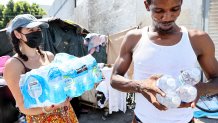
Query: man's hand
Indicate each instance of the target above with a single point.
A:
(150, 90)
(200, 92)
(151, 97)
(150, 85)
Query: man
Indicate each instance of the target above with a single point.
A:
(163, 48)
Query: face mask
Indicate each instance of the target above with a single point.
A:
(34, 39)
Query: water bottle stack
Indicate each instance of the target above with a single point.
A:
(66, 76)
(179, 90)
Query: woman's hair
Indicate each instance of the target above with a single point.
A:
(16, 43)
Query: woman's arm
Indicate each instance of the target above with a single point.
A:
(13, 70)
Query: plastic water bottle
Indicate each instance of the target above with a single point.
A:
(83, 78)
(74, 77)
(171, 100)
(190, 76)
(34, 90)
(97, 74)
(62, 58)
(167, 82)
(169, 85)
(88, 79)
(73, 88)
(187, 93)
(94, 72)
(56, 83)
(89, 61)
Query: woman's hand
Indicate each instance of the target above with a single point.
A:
(48, 109)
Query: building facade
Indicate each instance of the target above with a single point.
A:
(111, 16)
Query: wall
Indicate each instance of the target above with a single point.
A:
(111, 16)
(192, 14)
(81, 13)
(62, 9)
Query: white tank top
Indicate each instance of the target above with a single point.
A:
(150, 58)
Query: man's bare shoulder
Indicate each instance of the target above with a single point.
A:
(131, 38)
(135, 33)
(199, 36)
(199, 40)
(194, 33)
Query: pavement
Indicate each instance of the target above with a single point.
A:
(98, 116)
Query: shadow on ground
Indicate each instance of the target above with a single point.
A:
(97, 116)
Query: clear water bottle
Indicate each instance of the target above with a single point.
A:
(63, 58)
(167, 82)
(171, 100)
(187, 93)
(56, 86)
(74, 76)
(34, 90)
(74, 87)
(88, 78)
(190, 76)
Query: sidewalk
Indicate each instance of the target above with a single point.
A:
(95, 116)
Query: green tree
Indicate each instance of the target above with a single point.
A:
(21, 7)
(36, 11)
(8, 13)
(2, 7)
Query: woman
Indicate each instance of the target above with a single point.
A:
(26, 37)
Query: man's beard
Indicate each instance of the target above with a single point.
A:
(167, 31)
(160, 30)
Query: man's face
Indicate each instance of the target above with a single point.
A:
(164, 14)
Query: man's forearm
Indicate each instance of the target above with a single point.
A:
(126, 85)
(212, 87)
(209, 88)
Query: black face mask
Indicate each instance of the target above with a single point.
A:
(34, 39)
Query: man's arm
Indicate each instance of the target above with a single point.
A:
(146, 87)
(205, 51)
(122, 64)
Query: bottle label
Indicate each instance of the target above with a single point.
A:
(34, 89)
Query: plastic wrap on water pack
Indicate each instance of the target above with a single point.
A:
(66, 76)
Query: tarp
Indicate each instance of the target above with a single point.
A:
(114, 43)
(61, 36)
(5, 45)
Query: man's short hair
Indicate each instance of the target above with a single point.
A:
(149, 2)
